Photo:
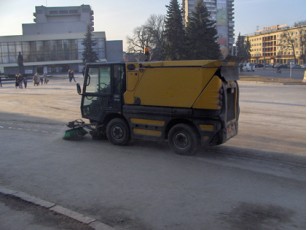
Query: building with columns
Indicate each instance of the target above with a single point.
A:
(53, 43)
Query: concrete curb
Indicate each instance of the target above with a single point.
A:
(275, 80)
(49, 206)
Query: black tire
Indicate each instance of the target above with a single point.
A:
(118, 132)
(183, 139)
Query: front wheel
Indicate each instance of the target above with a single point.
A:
(183, 139)
(118, 132)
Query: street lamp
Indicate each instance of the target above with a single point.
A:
(264, 51)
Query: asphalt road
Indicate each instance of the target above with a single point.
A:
(254, 181)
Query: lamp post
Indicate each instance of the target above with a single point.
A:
(263, 51)
(291, 67)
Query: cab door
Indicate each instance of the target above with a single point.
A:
(97, 92)
(118, 86)
(102, 91)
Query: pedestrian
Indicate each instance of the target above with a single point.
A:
(69, 75)
(25, 82)
(41, 80)
(0, 82)
(73, 75)
(16, 80)
(241, 67)
(35, 79)
(46, 80)
(20, 81)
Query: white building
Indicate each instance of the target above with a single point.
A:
(54, 42)
(221, 11)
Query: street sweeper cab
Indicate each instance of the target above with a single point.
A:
(187, 103)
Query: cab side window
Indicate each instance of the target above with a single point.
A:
(92, 80)
(105, 80)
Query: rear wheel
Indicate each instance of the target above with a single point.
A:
(183, 139)
(118, 132)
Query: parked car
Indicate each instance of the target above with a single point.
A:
(248, 67)
(281, 66)
(296, 67)
(259, 65)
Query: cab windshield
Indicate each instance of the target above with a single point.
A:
(99, 80)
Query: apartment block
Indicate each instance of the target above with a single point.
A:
(279, 44)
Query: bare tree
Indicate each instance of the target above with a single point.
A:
(139, 40)
(288, 43)
(148, 35)
(155, 28)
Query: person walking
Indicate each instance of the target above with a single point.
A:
(25, 82)
(20, 81)
(73, 75)
(69, 75)
(36, 79)
(16, 80)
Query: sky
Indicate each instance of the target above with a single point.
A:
(118, 18)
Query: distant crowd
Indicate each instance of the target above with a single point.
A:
(21, 81)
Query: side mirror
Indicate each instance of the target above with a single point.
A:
(78, 88)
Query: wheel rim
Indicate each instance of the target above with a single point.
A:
(117, 132)
(181, 140)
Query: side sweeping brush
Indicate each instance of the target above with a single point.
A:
(76, 131)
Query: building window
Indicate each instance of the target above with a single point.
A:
(4, 53)
(12, 52)
(53, 12)
(63, 11)
(47, 47)
(39, 51)
(73, 46)
(32, 56)
(73, 11)
(80, 49)
(59, 50)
